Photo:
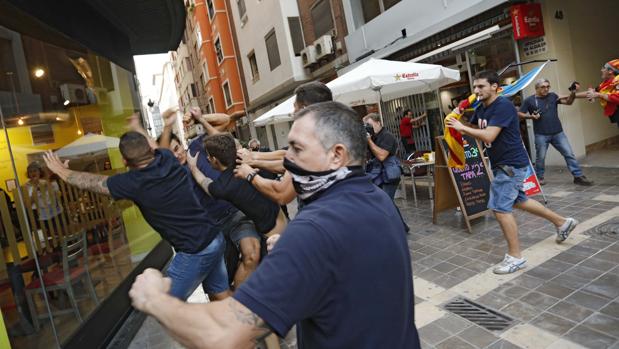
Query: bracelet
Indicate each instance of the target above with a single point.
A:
(250, 177)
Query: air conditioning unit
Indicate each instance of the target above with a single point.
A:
(74, 93)
(102, 97)
(308, 55)
(324, 46)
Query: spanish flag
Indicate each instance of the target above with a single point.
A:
(454, 140)
(610, 87)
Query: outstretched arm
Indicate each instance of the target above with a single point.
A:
(486, 135)
(280, 191)
(210, 129)
(202, 179)
(223, 324)
(83, 180)
(134, 124)
(169, 119)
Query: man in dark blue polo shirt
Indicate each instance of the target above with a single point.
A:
(497, 122)
(162, 189)
(542, 108)
(341, 271)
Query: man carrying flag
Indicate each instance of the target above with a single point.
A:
(497, 121)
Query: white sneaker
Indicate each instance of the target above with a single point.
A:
(509, 265)
(564, 231)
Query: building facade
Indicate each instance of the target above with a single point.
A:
(270, 48)
(475, 35)
(324, 30)
(205, 62)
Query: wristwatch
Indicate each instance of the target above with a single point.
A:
(250, 177)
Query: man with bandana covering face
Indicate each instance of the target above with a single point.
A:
(317, 275)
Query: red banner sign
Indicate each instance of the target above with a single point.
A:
(527, 21)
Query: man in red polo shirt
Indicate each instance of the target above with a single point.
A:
(407, 124)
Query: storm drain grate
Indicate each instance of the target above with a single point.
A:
(609, 229)
(478, 314)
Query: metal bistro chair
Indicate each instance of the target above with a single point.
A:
(419, 171)
(74, 269)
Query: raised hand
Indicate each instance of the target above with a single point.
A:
(53, 162)
(134, 123)
(196, 113)
(192, 160)
(243, 170)
(454, 123)
(169, 116)
(244, 155)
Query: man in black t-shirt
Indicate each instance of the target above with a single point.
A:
(383, 149)
(542, 108)
(265, 214)
(162, 189)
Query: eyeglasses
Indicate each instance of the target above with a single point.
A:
(545, 86)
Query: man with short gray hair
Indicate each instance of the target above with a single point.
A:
(327, 274)
(542, 108)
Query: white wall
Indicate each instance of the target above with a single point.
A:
(262, 16)
(421, 18)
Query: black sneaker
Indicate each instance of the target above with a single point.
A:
(541, 181)
(582, 180)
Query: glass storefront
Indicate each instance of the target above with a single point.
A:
(64, 250)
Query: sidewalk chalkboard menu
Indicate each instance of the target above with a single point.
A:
(472, 181)
(470, 184)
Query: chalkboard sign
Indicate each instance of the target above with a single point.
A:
(472, 182)
(468, 188)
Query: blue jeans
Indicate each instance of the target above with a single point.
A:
(187, 271)
(506, 191)
(561, 143)
(390, 188)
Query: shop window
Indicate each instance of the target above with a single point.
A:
(296, 34)
(253, 64)
(85, 131)
(227, 94)
(272, 49)
(219, 51)
(322, 18)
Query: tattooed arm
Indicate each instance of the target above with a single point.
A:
(83, 180)
(223, 324)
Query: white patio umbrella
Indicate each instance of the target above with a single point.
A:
(88, 144)
(374, 81)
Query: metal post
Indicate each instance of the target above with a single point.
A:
(26, 327)
(380, 107)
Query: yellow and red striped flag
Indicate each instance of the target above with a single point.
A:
(453, 138)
